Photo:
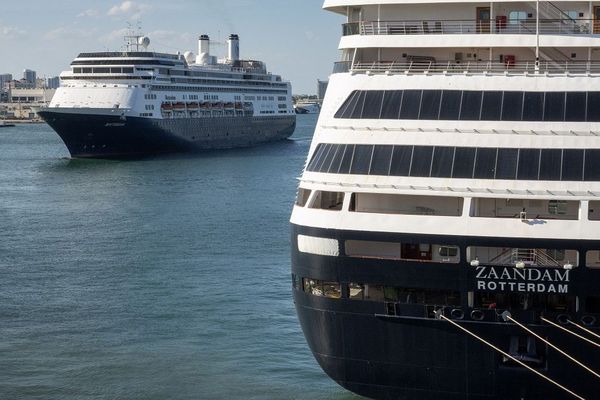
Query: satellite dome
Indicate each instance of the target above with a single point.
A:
(144, 41)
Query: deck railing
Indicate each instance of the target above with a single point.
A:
(459, 27)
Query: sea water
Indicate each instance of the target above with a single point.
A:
(164, 278)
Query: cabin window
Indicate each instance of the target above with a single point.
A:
(492, 106)
(302, 197)
(374, 293)
(401, 160)
(421, 165)
(392, 100)
(517, 17)
(575, 109)
(356, 291)
(421, 252)
(550, 164)
(380, 164)
(361, 162)
(430, 104)
(464, 160)
(485, 163)
(471, 106)
(512, 106)
(557, 207)
(572, 166)
(443, 158)
(313, 286)
(332, 290)
(372, 106)
(529, 163)
(448, 251)
(554, 106)
(328, 200)
(411, 102)
(533, 106)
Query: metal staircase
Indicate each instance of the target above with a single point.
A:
(531, 257)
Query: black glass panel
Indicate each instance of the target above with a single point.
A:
(471, 106)
(345, 105)
(592, 165)
(576, 107)
(372, 106)
(442, 162)
(382, 157)
(529, 164)
(326, 151)
(361, 161)
(421, 161)
(572, 165)
(347, 159)
(593, 107)
(506, 164)
(554, 106)
(492, 106)
(464, 161)
(329, 158)
(316, 157)
(485, 163)
(550, 164)
(337, 159)
(450, 108)
(533, 106)
(357, 111)
(411, 101)
(391, 104)
(512, 106)
(430, 104)
(401, 158)
(351, 104)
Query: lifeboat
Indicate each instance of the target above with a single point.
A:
(192, 106)
(166, 106)
(179, 106)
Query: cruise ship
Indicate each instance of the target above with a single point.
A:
(137, 102)
(446, 232)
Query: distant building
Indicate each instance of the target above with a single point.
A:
(321, 89)
(30, 76)
(53, 82)
(4, 79)
(21, 95)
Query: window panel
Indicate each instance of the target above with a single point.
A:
(430, 104)
(361, 161)
(450, 108)
(358, 108)
(329, 158)
(554, 106)
(529, 163)
(346, 104)
(550, 164)
(592, 165)
(471, 106)
(391, 104)
(512, 106)
(372, 106)
(572, 166)
(382, 157)
(401, 159)
(347, 159)
(593, 107)
(464, 160)
(533, 106)
(442, 162)
(326, 151)
(506, 164)
(575, 106)
(316, 157)
(492, 106)
(485, 163)
(411, 102)
(421, 161)
(337, 159)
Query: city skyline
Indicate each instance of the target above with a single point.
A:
(298, 41)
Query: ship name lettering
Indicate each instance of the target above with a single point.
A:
(532, 280)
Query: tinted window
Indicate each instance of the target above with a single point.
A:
(442, 162)
(361, 161)
(575, 106)
(592, 165)
(329, 158)
(512, 106)
(411, 101)
(492, 105)
(529, 163)
(533, 106)
(337, 159)
(346, 104)
(430, 104)
(464, 160)
(321, 161)
(357, 111)
(382, 156)
(316, 157)
(485, 163)
(506, 164)
(572, 165)
(372, 106)
(347, 159)
(421, 161)
(554, 106)
(401, 158)
(471, 106)
(391, 104)
(593, 107)
(550, 164)
(450, 108)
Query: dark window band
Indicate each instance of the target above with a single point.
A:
(471, 105)
(458, 162)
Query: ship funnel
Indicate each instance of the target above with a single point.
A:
(204, 44)
(234, 48)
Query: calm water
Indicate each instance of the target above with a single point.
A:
(158, 279)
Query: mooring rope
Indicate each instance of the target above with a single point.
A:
(505, 354)
(571, 332)
(507, 316)
(584, 329)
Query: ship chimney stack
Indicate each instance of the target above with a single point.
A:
(234, 48)
(204, 57)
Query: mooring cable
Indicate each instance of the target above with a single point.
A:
(440, 315)
(584, 329)
(571, 332)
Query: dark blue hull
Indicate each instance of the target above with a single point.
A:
(113, 136)
(390, 349)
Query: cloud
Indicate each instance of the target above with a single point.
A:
(128, 8)
(68, 33)
(88, 13)
(114, 35)
(10, 32)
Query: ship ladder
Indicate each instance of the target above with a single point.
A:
(440, 315)
(507, 317)
(573, 333)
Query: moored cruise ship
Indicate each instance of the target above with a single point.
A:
(137, 102)
(446, 232)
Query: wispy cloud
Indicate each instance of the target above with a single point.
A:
(88, 13)
(129, 8)
(11, 32)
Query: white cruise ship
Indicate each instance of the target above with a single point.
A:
(446, 232)
(136, 102)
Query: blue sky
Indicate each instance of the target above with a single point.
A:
(296, 38)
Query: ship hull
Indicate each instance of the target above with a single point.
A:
(409, 354)
(110, 135)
